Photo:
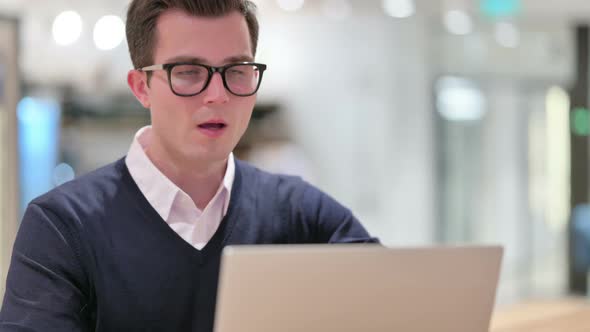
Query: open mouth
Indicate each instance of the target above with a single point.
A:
(212, 126)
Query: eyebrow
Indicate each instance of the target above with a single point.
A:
(193, 59)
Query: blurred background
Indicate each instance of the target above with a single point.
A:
(436, 122)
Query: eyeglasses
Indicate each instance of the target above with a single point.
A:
(189, 79)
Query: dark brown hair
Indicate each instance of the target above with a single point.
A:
(142, 16)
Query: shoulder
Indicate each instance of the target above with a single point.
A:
(86, 194)
(311, 215)
(283, 185)
(289, 189)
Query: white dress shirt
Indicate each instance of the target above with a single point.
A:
(172, 203)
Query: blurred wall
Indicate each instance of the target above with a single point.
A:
(357, 94)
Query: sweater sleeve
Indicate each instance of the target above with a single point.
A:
(45, 287)
(332, 222)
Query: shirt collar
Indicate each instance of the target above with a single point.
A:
(158, 189)
(228, 181)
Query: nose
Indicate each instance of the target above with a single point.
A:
(216, 92)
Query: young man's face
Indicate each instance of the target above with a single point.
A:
(188, 128)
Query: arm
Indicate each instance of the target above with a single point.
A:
(46, 288)
(333, 222)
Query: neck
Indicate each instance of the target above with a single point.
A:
(200, 180)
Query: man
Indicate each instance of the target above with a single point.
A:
(136, 245)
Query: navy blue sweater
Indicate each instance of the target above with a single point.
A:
(93, 255)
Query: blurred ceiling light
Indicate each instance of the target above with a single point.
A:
(459, 99)
(67, 28)
(500, 8)
(507, 34)
(399, 8)
(109, 32)
(458, 22)
(290, 5)
(337, 9)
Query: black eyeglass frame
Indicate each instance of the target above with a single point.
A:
(211, 70)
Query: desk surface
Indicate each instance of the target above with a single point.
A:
(566, 315)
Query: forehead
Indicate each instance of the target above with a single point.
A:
(214, 39)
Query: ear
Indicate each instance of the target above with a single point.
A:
(137, 82)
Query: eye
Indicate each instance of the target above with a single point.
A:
(236, 71)
(188, 73)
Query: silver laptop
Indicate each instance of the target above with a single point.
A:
(360, 288)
